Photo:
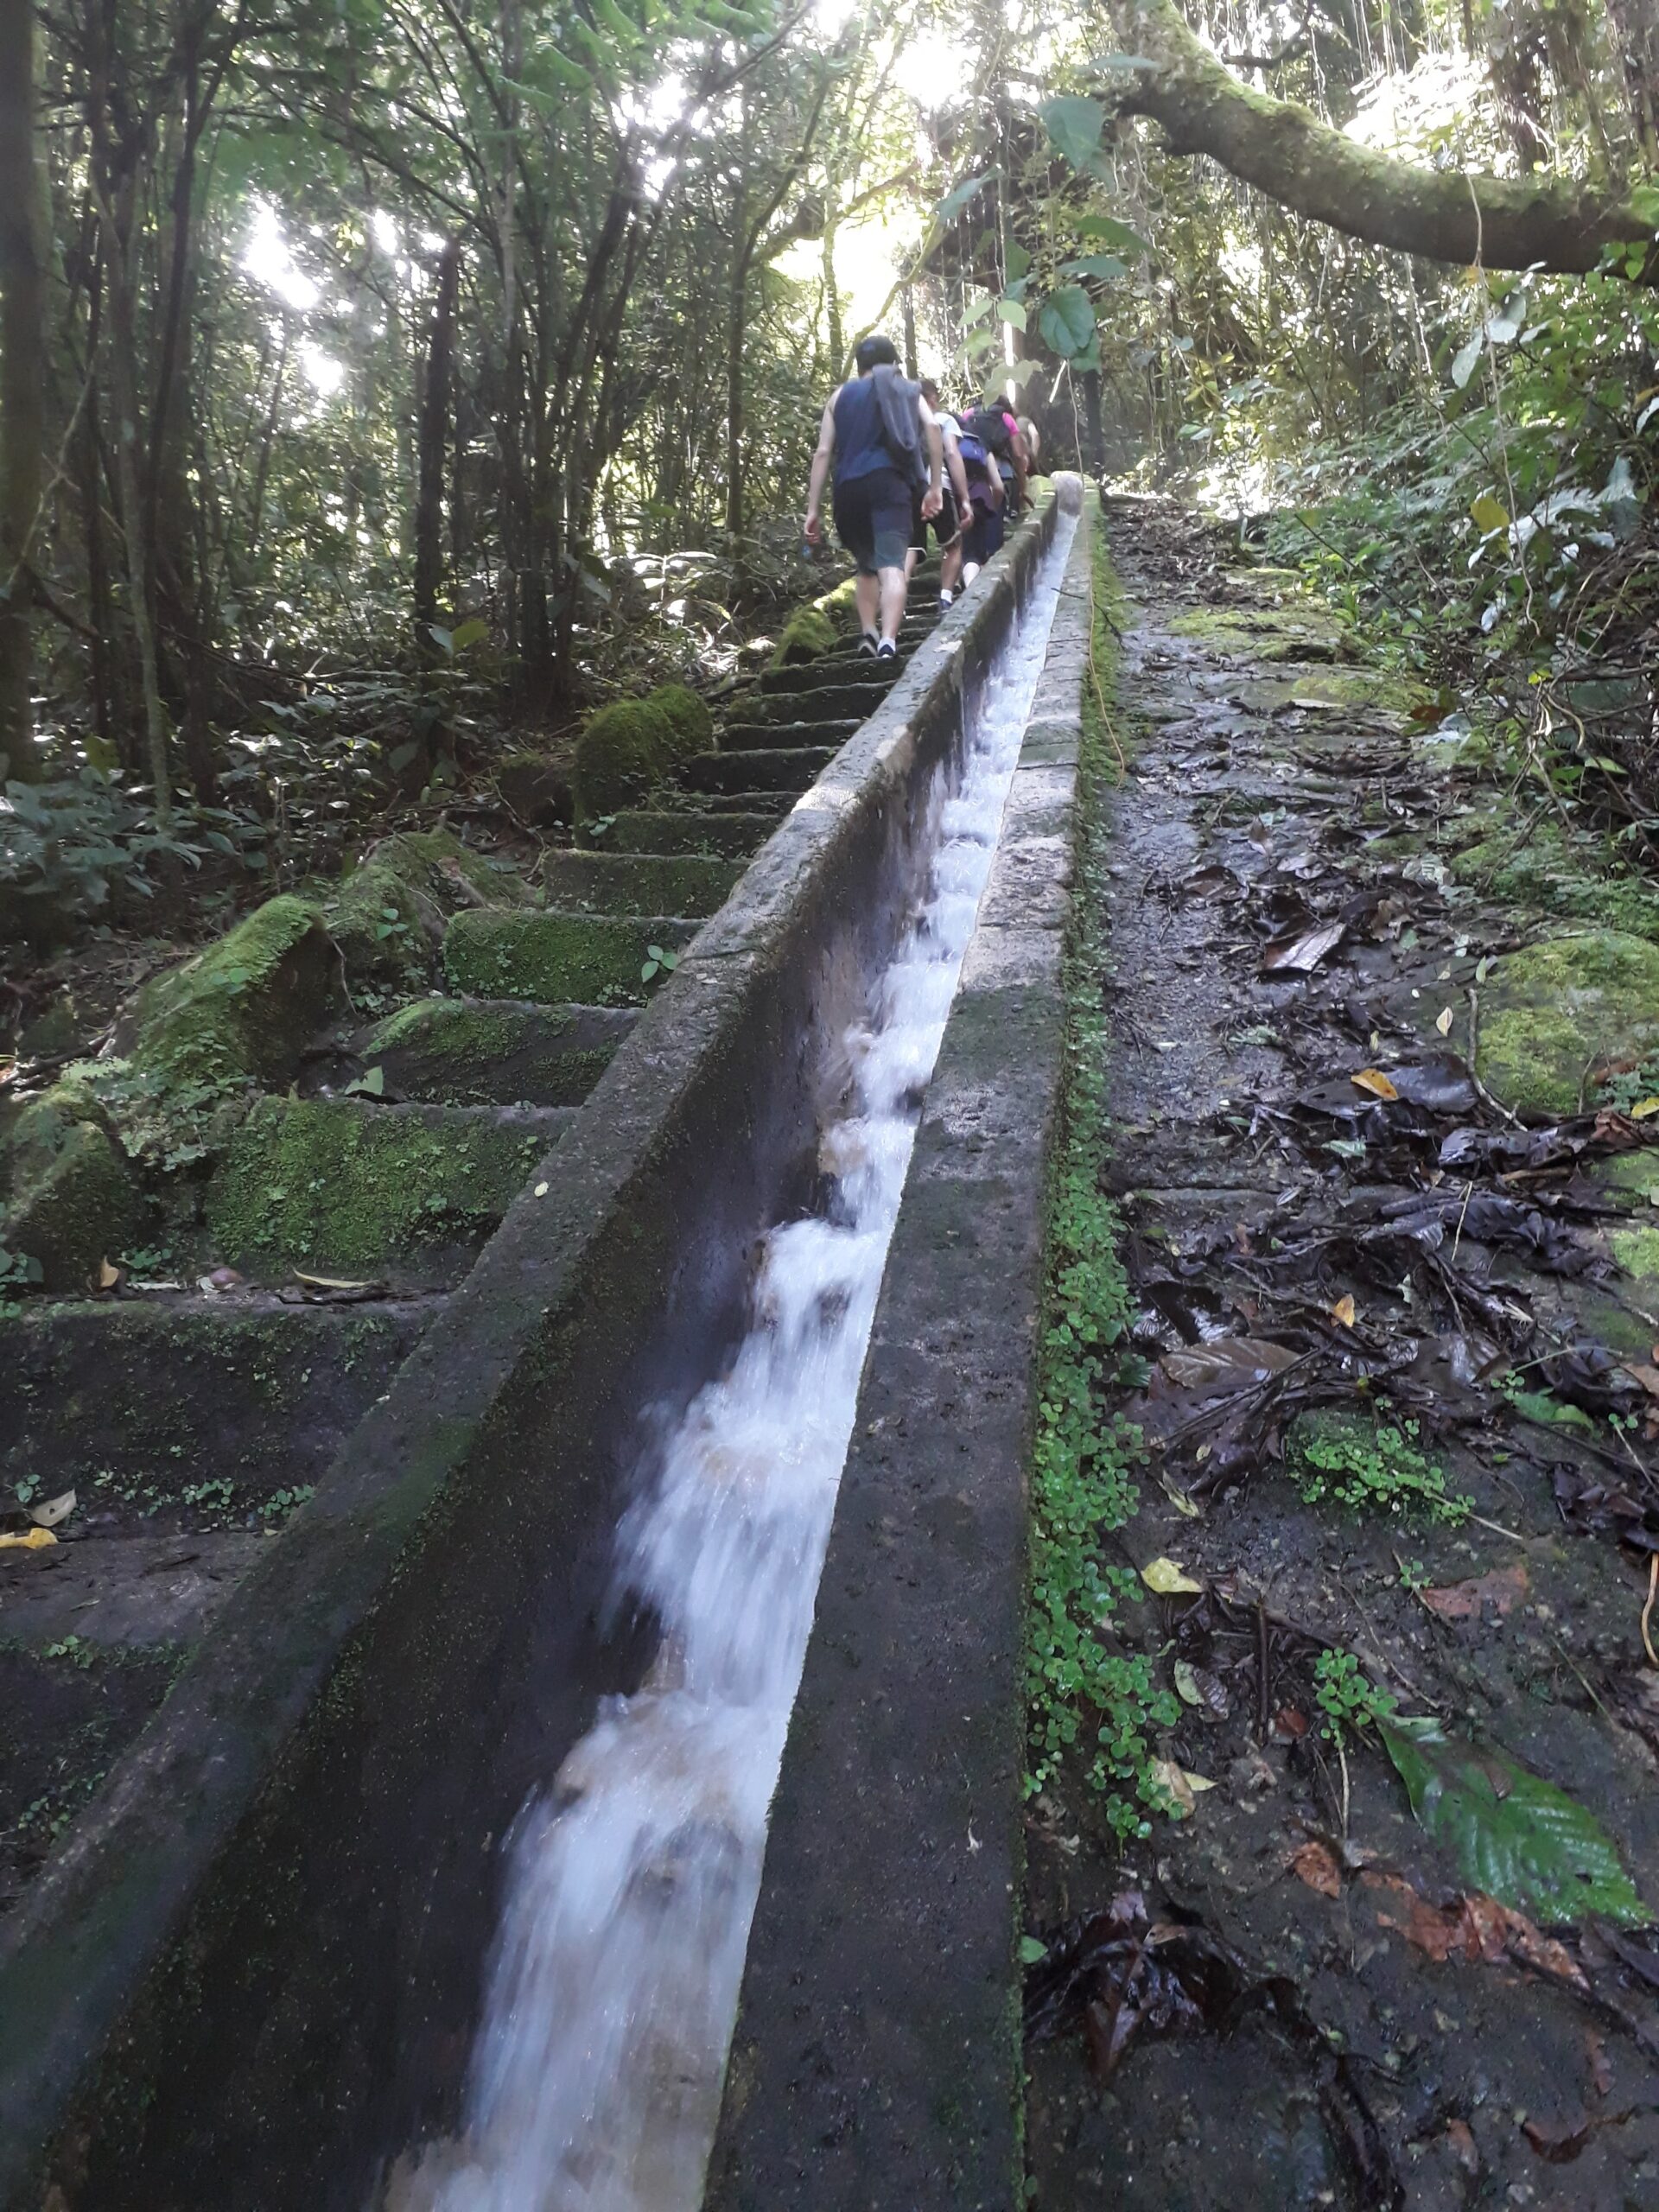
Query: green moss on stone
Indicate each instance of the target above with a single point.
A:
(242, 1009)
(74, 1208)
(622, 755)
(1303, 632)
(807, 635)
(459, 1053)
(1555, 1013)
(623, 883)
(1541, 866)
(690, 721)
(725, 836)
(316, 1182)
(554, 958)
(1636, 1251)
(388, 916)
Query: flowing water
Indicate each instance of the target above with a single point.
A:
(595, 2085)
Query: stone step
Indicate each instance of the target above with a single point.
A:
(171, 1411)
(775, 737)
(464, 1051)
(555, 958)
(850, 671)
(743, 772)
(830, 703)
(775, 803)
(348, 1188)
(623, 883)
(733, 836)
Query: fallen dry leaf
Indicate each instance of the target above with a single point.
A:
(55, 1509)
(1644, 1109)
(1443, 1021)
(1463, 1601)
(1172, 1780)
(1461, 2136)
(1374, 1081)
(1474, 1928)
(1344, 1311)
(1238, 1361)
(108, 1274)
(1289, 1724)
(1560, 2146)
(32, 1539)
(1166, 1580)
(1315, 1863)
(1301, 955)
(1647, 1376)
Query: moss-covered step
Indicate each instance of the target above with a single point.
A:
(244, 1008)
(856, 672)
(626, 883)
(782, 737)
(1297, 631)
(558, 958)
(389, 916)
(1557, 1014)
(404, 1193)
(489, 1052)
(177, 1412)
(838, 701)
(727, 836)
(758, 771)
(628, 748)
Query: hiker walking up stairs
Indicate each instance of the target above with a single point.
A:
(879, 435)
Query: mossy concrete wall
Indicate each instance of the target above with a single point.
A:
(254, 1972)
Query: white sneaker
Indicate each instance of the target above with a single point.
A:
(944, 599)
(886, 650)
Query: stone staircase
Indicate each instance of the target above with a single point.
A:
(191, 1414)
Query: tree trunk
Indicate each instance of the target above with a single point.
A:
(1094, 454)
(433, 448)
(737, 303)
(22, 379)
(1286, 151)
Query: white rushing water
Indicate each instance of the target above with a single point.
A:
(595, 2085)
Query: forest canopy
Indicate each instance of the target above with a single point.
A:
(381, 386)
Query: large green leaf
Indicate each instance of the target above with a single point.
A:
(1067, 322)
(958, 197)
(1102, 267)
(1516, 1837)
(1074, 125)
(1106, 230)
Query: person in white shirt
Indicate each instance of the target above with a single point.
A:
(954, 508)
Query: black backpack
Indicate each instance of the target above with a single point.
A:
(989, 426)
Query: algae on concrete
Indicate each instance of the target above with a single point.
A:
(326, 1183)
(241, 1010)
(74, 1203)
(555, 958)
(1555, 1015)
(388, 916)
(623, 883)
(467, 1053)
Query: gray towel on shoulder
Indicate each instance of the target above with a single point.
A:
(901, 427)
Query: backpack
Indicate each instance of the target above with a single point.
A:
(988, 426)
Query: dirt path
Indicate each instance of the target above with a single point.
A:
(1297, 1995)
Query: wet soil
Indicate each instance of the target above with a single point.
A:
(1342, 2019)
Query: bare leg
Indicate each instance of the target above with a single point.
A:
(950, 564)
(867, 590)
(895, 588)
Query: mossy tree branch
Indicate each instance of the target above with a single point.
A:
(1552, 223)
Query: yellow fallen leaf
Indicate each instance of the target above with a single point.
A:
(108, 1274)
(1197, 1781)
(1644, 1109)
(32, 1539)
(1172, 1780)
(1443, 1023)
(1376, 1082)
(1165, 1579)
(1180, 1500)
(1343, 1311)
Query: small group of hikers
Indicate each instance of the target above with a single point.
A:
(901, 464)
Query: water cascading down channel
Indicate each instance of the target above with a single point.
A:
(594, 2081)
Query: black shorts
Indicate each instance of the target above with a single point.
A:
(944, 524)
(873, 519)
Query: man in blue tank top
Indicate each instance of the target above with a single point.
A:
(884, 445)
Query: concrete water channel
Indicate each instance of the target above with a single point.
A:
(430, 1884)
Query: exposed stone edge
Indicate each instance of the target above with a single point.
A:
(621, 1230)
(877, 2064)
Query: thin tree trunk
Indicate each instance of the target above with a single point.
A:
(23, 379)
(434, 446)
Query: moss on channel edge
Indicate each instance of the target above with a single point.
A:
(1084, 1458)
